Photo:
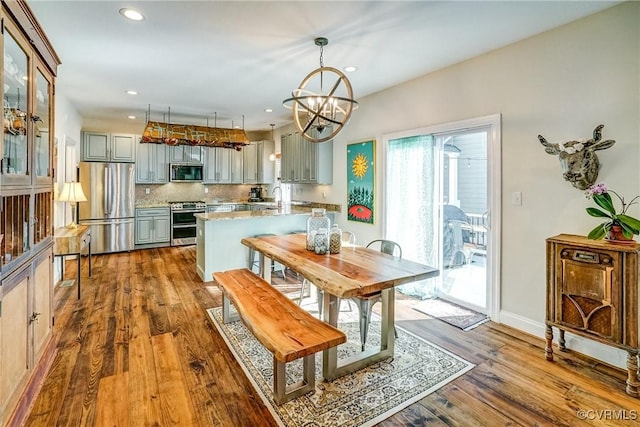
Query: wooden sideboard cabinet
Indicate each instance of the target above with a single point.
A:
(592, 291)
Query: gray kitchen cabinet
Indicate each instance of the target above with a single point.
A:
(237, 164)
(250, 166)
(257, 168)
(152, 166)
(108, 147)
(223, 166)
(185, 154)
(153, 225)
(305, 162)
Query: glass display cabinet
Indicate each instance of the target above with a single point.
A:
(27, 343)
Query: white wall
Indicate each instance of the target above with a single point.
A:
(67, 134)
(561, 84)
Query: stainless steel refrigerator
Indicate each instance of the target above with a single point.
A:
(110, 205)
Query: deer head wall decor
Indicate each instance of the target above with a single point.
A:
(578, 158)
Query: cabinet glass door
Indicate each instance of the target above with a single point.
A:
(15, 98)
(42, 147)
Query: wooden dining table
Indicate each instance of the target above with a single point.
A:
(354, 272)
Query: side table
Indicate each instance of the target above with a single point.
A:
(72, 241)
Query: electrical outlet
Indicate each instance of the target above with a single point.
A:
(206, 189)
(147, 190)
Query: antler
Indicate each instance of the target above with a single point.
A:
(597, 134)
(553, 149)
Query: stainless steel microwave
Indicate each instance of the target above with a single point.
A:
(186, 173)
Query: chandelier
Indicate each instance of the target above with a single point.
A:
(320, 116)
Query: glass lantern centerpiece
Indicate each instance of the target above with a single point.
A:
(335, 239)
(316, 221)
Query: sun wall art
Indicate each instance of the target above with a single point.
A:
(360, 181)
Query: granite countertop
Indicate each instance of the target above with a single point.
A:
(158, 203)
(285, 210)
(141, 204)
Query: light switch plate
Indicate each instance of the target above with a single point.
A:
(516, 198)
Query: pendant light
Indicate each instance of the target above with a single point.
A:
(318, 115)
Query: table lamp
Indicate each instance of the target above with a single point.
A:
(72, 193)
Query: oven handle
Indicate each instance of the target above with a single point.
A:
(188, 211)
(184, 225)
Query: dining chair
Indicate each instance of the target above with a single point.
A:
(365, 303)
(349, 238)
(254, 259)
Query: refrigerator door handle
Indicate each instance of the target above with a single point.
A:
(105, 204)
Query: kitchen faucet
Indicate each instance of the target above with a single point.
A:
(279, 202)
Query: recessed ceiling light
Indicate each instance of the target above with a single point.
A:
(131, 117)
(131, 14)
(268, 110)
(131, 92)
(350, 68)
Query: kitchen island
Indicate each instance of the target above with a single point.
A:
(218, 235)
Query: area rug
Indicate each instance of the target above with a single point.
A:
(453, 314)
(363, 398)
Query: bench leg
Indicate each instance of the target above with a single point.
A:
(282, 393)
(227, 316)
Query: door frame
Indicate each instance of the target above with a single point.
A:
(494, 192)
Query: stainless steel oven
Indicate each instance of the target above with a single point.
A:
(183, 222)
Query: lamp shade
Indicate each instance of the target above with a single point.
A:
(72, 192)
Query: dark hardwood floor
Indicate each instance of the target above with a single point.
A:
(139, 350)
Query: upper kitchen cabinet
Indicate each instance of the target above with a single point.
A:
(185, 154)
(152, 166)
(257, 168)
(223, 166)
(108, 147)
(305, 162)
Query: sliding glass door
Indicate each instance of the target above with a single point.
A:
(464, 216)
(441, 187)
(411, 214)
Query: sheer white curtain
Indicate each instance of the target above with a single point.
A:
(410, 211)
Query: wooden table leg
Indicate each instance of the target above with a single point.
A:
(89, 249)
(633, 382)
(79, 269)
(548, 349)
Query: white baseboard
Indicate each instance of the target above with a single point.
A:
(605, 353)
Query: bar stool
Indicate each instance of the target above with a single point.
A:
(254, 261)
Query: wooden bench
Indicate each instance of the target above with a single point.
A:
(285, 329)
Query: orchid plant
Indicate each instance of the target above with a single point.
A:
(602, 196)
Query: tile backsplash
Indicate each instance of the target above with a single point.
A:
(181, 192)
(186, 192)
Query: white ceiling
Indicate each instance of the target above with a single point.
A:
(238, 57)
